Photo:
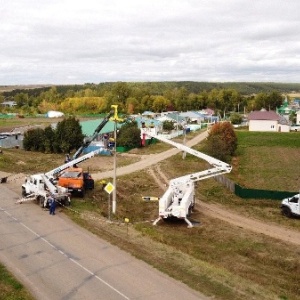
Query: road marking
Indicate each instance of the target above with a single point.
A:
(64, 254)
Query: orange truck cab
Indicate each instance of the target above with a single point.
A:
(76, 180)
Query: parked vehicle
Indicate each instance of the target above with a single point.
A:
(76, 181)
(179, 199)
(291, 206)
(295, 128)
(38, 186)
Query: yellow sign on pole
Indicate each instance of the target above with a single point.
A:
(109, 188)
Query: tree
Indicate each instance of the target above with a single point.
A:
(293, 117)
(34, 140)
(21, 99)
(68, 135)
(160, 103)
(168, 125)
(132, 105)
(122, 91)
(49, 139)
(129, 135)
(236, 118)
(274, 100)
(222, 141)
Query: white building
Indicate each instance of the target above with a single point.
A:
(298, 118)
(267, 121)
(9, 103)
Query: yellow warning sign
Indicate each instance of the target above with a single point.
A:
(109, 188)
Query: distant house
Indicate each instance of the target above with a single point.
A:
(9, 103)
(207, 111)
(264, 120)
(192, 116)
(150, 114)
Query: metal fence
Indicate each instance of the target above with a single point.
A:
(247, 193)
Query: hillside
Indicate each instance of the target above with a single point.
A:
(154, 88)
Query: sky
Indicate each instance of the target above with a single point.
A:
(93, 41)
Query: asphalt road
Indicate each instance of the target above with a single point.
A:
(56, 259)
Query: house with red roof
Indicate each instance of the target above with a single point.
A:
(264, 120)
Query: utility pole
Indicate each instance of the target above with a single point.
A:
(184, 140)
(114, 201)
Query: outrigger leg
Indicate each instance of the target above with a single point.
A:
(156, 221)
(190, 225)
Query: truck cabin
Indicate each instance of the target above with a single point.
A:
(294, 199)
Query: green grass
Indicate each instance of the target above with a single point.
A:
(267, 161)
(270, 139)
(10, 288)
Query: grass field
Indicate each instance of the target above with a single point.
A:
(216, 258)
(10, 288)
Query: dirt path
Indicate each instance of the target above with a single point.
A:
(151, 160)
(216, 211)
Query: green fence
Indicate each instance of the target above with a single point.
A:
(122, 149)
(261, 194)
(5, 116)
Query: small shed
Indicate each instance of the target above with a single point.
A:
(11, 140)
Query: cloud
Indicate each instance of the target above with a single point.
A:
(95, 40)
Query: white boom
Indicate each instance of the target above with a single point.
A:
(179, 199)
(53, 173)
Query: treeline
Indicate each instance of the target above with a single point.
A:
(156, 96)
(158, 88)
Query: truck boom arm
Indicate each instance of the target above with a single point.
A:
(53, 173)
(211, 160)
(87, 141)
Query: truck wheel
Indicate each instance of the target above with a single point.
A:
(40, 201)
(66, 201)
(190, 210)
(286, 211)
(24, 194)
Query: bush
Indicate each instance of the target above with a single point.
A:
(168, 125)
(222, 141)
(236, 118)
